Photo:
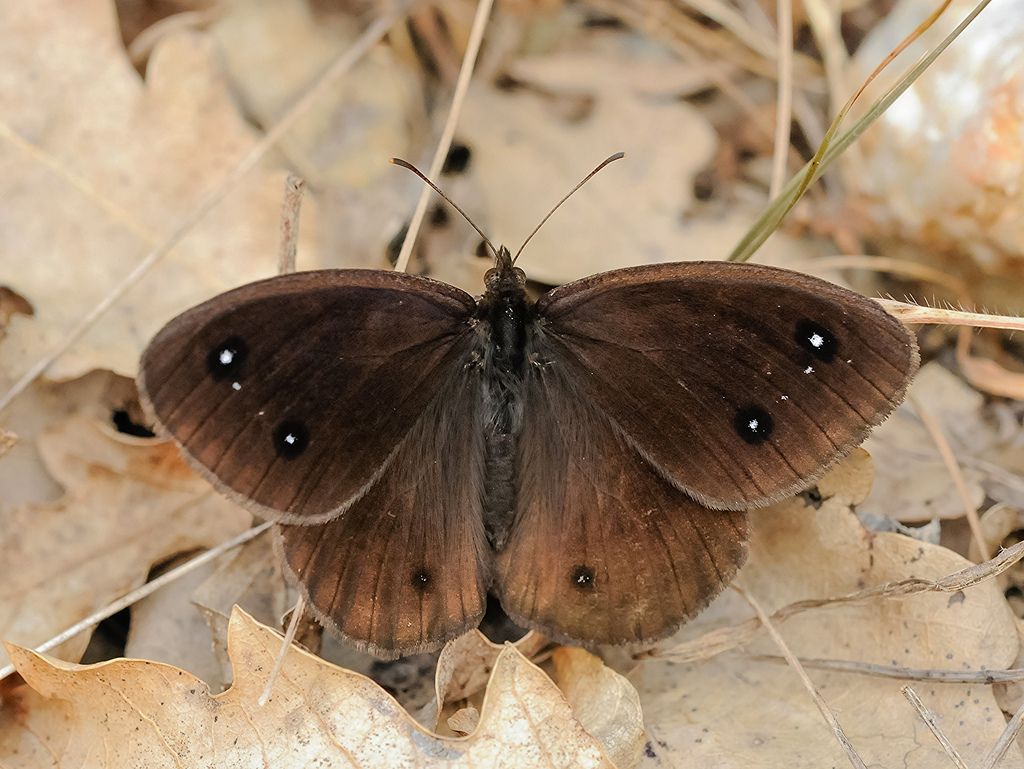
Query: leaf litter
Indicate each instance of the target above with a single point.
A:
(100, 163)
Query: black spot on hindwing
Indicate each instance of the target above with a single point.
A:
(291, 439)
(421, 579)
(753, 424)
(582, 577)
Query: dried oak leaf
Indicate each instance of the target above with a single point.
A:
(129, 503)
(741, 709)
(129, 713)
(98, 166)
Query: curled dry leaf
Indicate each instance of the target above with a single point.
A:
(465, 664)
(130, 713)
(738, 710)
(75, 99)
(129, 503)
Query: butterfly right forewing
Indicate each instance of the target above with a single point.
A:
(740, 383)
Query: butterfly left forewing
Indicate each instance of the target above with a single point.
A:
(740, 383)
(292, 394)
(405, 567)
(602, 548)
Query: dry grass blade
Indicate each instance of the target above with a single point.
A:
(724, 639)
(826, 712)
(343, 64)
(933, 725)
(476, 36)
(286, 643)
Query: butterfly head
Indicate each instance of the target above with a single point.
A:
(504, 276)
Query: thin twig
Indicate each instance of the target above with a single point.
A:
(830, 717)
(294, 186)
(141, 592)
(1010, 733)
(931, 675)
(949, 459)
(343, 64)
(784, 104)
(286, 643)
(476, 36)
(932, 723)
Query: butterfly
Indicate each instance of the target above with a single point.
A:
(588, 458)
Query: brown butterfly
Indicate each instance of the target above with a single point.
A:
(587, 458)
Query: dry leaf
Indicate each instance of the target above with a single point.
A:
(24, 476)
(912, 484)
(526, 155)
(130, 503)
(738, 711)
(127, 713)
(274, 49)
(168, 627)
(249, 577)
(116, 163)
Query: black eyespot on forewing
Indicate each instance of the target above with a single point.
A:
(753, 424)
(817, 340)
(582, 577)
(291, 439)
(227, 358)
(421, 579)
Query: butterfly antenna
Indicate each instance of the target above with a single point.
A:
(435, 188)
(587, 178)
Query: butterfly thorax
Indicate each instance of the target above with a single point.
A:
(505, 316)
